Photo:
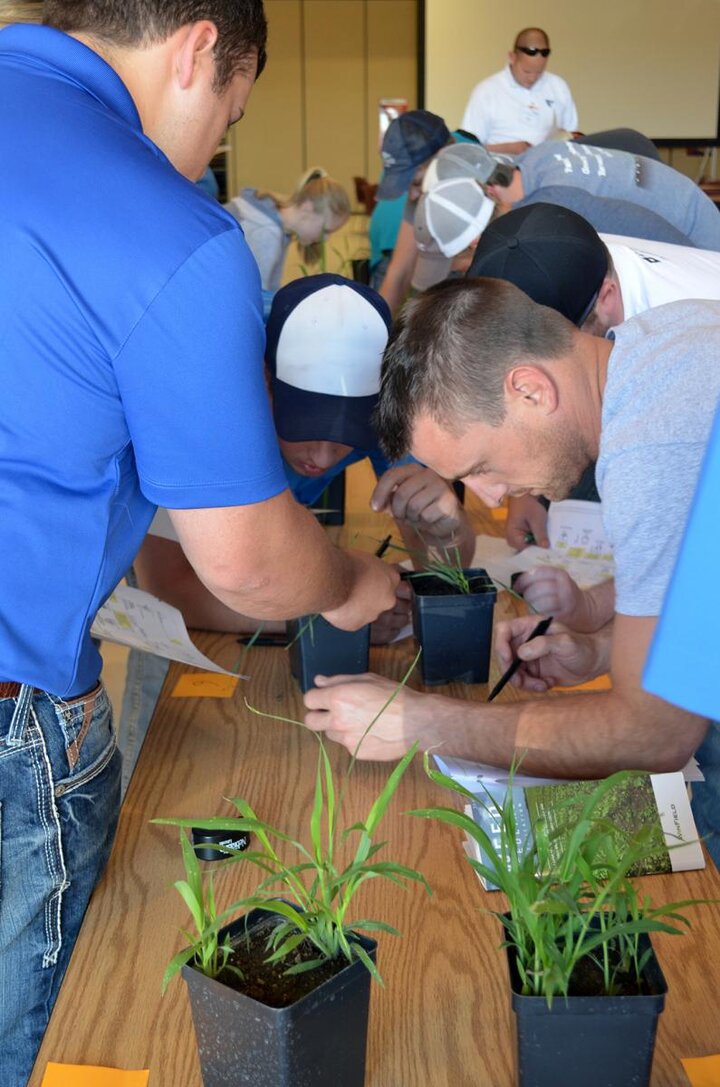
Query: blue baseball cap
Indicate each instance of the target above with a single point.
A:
(411, 139)
(325, 339)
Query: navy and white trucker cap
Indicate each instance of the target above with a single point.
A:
(325, 340)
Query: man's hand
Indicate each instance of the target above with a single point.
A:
(551, 591)
(560, 658)
(526, 516)
(388, 625)
(343, 706)
(373, 591)
(421, 499)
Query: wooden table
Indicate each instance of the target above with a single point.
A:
(443, 1018)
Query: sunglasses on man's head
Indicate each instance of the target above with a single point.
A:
(532, 50)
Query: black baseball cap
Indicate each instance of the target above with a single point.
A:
(551, 253)
(411, 139)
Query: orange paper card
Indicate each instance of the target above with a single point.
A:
(205, 685)
(702, 1071)
(86, 1075)
(600, 683)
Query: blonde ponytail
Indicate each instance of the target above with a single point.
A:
(327, 197)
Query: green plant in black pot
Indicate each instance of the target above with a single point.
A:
(279, 979)
(452, 610)
(586, 986)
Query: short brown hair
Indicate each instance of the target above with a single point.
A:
(450, 351)
(241, 26)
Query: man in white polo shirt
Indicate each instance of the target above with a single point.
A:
(596, 280)
(642, 275)
(523, 104)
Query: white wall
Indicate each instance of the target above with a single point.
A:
(653, 65)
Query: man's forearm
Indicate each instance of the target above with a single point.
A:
(268, 561)
(582, 736)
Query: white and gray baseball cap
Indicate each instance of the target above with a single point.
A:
(470, 160)
(451, 216)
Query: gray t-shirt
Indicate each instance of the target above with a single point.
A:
(662, 388)
(622, 176)
(264, 233)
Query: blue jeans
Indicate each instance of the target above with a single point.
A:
(706, 794)
(59, 802)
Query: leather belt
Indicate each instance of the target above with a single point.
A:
(10, 690)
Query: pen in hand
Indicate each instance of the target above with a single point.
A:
(536, 632)
(383, 546)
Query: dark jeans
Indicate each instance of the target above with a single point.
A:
(59, 802)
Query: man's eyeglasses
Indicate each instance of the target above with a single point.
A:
(532, 50)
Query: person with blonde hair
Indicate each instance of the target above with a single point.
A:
(318, 206)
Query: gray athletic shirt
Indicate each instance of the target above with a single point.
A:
(621, 176)
(663, 385)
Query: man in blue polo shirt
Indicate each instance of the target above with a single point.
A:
(131, 340)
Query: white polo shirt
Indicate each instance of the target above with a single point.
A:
(653, 273)
(501, 111)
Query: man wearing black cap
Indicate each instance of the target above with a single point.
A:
(483, 384)
(597, 282)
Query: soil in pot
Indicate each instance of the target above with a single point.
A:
(587, 980)
(268, 982)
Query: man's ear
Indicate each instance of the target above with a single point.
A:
(607, 300)
(531, 387)
(194, 53)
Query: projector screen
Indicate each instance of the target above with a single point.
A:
(653, 65)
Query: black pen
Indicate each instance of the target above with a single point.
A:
(382, 547)
(279, 641)
(541, 628)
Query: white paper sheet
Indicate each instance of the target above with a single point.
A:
(139, 620)
(578, 545)
(472, 774)
(576, 529)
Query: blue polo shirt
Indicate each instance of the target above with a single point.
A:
(131, 343)
(682, 663)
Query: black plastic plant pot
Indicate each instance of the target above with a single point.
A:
(320, 1040)
(205, 840)
(322, 649)
(596, 1041)
(454, 629)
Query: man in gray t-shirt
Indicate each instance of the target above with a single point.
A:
(663, 381)
(482, 384)
(612, 175)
